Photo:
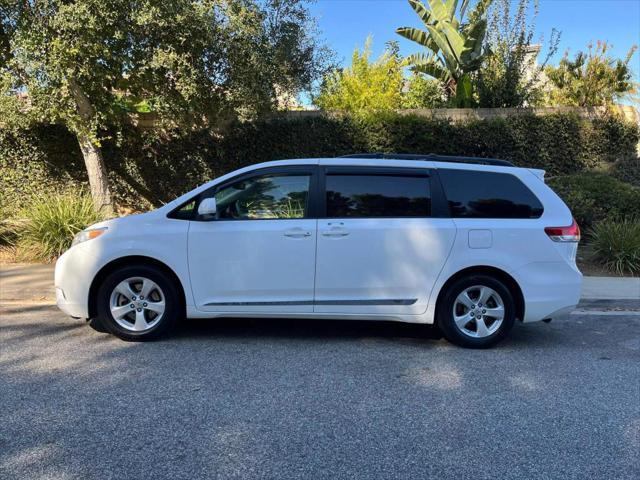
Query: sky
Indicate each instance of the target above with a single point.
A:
(345, 24)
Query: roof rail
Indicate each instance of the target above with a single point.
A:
(433, 157)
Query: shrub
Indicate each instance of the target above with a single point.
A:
(612, 130)
(8, 231)
(616, 244)
(628, 170)
(7, 227)
(29, 159)
(593, 197)
(51, 222)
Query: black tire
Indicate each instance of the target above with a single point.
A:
(445, 314)
(173, 309)
(97, 325)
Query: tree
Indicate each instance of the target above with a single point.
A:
(86, 63)
(590, 79)
(365, 86)
(510, 75)
(423, 92)
(454, 48)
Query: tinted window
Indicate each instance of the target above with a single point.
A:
(185, 212)
(266, 197)
(377, 196)
(475, 194)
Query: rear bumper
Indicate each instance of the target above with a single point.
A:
(550, 289)
(561, 313)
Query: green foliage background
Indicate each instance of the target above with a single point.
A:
(594, 197)
(148, 168)
(616, 245)
(628, 170)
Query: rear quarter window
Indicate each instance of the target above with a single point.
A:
(477, 194)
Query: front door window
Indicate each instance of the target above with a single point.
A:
(265, 197)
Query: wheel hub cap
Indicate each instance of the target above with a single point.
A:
(478, 311)
(137, 304)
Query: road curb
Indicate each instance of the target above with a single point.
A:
(609, 304)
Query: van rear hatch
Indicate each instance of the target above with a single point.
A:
(538, 173)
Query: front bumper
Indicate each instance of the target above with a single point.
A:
(74, 310)
(74, 272)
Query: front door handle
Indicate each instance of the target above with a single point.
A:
(297, 233)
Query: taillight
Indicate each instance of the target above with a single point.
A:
(570, 233)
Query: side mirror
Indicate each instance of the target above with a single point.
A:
(207, 207)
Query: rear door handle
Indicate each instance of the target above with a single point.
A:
(297, 233)
(335, 232)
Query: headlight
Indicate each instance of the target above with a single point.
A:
(88, 234)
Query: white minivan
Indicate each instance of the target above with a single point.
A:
(470, 244)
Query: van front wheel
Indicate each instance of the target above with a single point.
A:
(138, 303)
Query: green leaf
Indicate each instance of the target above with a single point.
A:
(433, 70)
(439, 12)
(454, 38)
(472, 55)
(450, 58)
(418, 36)
(451, 6)
(428, 64)
(480, 10)
(474, 35)
(463, 8)
(421, 10)
(464, 92)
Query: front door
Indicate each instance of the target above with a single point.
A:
(379, 249)
(258, 253)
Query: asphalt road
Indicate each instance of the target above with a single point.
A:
(301, 399)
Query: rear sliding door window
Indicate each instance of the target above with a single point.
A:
(374, 196)
(476, 194)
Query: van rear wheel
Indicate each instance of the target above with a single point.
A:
(476, 311)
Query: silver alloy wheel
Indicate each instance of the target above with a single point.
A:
(478, 311)
(137, 304)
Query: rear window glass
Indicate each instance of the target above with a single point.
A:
(367, 196)
(476, 194)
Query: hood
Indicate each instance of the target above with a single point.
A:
(115, 223)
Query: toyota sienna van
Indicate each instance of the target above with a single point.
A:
(471, 245)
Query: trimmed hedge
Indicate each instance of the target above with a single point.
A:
(44, 159)
(628, 170)
(594, 197)
(148, 168)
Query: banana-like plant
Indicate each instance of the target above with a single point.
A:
(455, 48)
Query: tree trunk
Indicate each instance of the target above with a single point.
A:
(98, 180)
(96, 169)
